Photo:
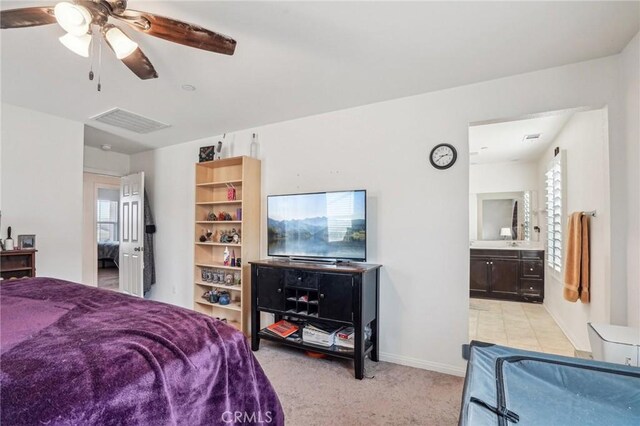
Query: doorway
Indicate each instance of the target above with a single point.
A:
(526, 176)
(107, 234)
(101, 226)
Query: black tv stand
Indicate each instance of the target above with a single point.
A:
(339, 294)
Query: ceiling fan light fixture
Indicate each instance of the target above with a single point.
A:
(77, 44)
(121, 44)
(73, 18)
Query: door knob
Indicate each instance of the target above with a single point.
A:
(279, 290)
(137, 249)
(321, 296)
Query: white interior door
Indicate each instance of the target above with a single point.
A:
(132, 234)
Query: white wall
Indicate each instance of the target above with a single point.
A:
(105, 162)
(418, 225)
(630, 90)
(585, 144)
(498, 177)
(170, 182)
(41, 174)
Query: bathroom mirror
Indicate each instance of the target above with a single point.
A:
(506, 216)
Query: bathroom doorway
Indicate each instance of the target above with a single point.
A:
(526, 176)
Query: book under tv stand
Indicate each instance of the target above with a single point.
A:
(341, 295)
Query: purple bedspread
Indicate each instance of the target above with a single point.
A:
(75, 355)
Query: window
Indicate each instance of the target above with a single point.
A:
(554, 196)
(107, 220)
(526, 222)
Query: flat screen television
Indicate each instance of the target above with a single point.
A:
(321, 225)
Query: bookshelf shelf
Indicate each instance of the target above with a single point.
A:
(222, 286)
(235, 306)
(218, 244)
(219, 222)
(215, 203)
(217, 266)
(221, 184)
(213, 180)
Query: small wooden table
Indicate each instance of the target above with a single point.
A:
(17, 263)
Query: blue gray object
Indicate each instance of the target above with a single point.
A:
(505, 386)
(224, 298)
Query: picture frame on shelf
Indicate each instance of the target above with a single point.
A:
(26, 242)
(206, 153)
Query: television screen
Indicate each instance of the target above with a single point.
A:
(328, 225)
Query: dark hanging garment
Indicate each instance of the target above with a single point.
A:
(149, 277)
(514, 221)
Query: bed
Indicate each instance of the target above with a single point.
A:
(74, 355)
(505, 386)
(109, 250)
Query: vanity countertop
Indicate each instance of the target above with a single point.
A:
(504, 247)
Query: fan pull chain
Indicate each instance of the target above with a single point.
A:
(91, 55)
(99, 64)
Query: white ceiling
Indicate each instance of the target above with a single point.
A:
(296, 59)
(503, 142)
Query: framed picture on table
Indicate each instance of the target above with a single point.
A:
(26, 242)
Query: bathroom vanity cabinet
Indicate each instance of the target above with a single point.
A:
(507, 274)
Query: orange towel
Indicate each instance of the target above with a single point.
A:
(584, 270)
(576, 268)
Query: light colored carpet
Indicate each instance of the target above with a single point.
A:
(108, 278)
(325, 392)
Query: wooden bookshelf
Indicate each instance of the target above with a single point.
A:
(212, 181)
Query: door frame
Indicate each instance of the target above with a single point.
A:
(92, 182)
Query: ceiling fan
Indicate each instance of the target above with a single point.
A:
(77, 17)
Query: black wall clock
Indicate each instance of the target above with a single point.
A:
(443, 156)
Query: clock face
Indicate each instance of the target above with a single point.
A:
(443, 156)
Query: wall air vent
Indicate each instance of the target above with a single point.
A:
(127, 120)
(532, 137)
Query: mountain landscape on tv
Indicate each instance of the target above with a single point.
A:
(315, 237)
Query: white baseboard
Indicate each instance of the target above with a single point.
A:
(565, 329)
(425, 365)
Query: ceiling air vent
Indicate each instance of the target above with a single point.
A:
(532, 137)
(127, 120)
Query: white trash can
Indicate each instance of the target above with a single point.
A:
(615, 343)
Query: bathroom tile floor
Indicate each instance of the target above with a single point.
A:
(520, 325)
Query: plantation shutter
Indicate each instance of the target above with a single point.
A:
(553, 181)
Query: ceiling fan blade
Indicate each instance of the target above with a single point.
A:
(140, 65)
(27, 17)
(178, 32)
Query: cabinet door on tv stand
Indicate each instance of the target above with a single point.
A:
(270, 288)
(336, 296)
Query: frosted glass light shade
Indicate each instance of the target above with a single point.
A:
(72, 18)
(77, 44)
(122, 45)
